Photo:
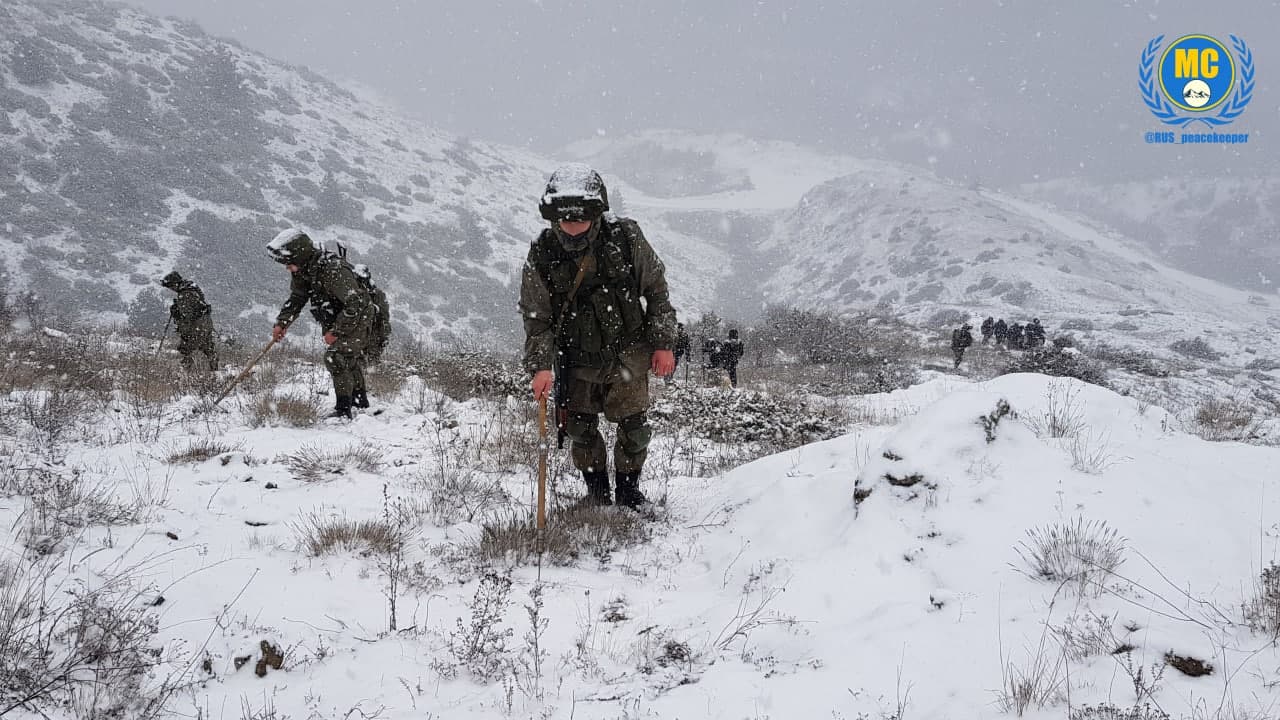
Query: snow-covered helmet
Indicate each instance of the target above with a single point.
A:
(291, 247)
(362, 272)
(574, 192)
(172, 280)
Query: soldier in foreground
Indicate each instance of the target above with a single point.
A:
(339, 304)
(581, 296)
(193, 319)
(961, 338)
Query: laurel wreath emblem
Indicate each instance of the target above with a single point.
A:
(1164, 110)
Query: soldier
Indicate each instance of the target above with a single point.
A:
(1014, 337)
(961, 338)
(339, 303)
(193, 319)
(1034, 334)
(681, 348)
(988, 327)
(1001, 332)
(580, 297)
(730, 353)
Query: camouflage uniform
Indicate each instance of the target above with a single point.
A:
(339, 304)
(380, 334)
(606, 341)
(961, 338)
(193, 319)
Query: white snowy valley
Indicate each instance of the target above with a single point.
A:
(1026, 546)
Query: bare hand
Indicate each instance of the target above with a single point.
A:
(277, 332)
(663, 363)
(541, 384)
(330, 338)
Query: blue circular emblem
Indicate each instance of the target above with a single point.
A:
(1197, 73)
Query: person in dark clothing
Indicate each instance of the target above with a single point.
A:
(710, 353)
(339, 303)
(988, 327)
(681, 347)
(595, 305)
(1014, 337)
(1001, 332)
(193, 319)
(730, 353)
(1034, 334)
(961, 339)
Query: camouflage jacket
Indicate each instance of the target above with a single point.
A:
(189, 305)
(338, 301)
(606, 320)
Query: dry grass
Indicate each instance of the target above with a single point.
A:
(1080, 554)
(323, 535)
(268, 410)
(1219, 419)
(313, 464)
(570, 534)
(198, 451)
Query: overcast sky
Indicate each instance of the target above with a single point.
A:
(1001, 92)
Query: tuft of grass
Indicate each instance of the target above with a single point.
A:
(570, 535)
(1219, 419)
(298, 411)
(321, 535)
(313, 464)
(198, 451)
(1079, 553)
(1262, 611)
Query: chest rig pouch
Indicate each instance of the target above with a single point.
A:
(605, 316)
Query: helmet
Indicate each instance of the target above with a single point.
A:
(362, 272)
(172, 280)
(291, 247)
(574, 192)
(733, 334)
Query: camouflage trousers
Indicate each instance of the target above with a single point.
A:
(197, 336)
(345, 362)
(623, 397)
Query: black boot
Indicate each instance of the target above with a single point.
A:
(360, 399)
(627, 490)
(342, 407)
(597, 489)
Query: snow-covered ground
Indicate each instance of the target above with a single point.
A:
(765, 591)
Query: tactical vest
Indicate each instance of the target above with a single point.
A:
(202, 308)
(605, 316)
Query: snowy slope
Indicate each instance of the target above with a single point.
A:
(766, 593)
(133, 145)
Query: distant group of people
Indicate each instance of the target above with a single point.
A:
(1013, 336)
(716, 354)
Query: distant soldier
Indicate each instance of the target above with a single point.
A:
(681, 347)
(339, 303)
(961, 338)
(710, 353)
(1034, 334)
(1001, 332)
(1014, 338)
(730, 353)
(988, 327)
(193, 319)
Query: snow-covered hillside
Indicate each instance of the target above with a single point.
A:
(132, 145)
(1224, 228)
(766, 591)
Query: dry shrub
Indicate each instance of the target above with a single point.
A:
(570, 534)
(1078, 554)
(198, 451)
(1262, 611)
(294, 410)
(460, 495)
(64, 642)
(322, 535)
(1219, 419)
(385, 381)
(1198, 348)
(1063, 413)
(313, 464)
(784, 421)
(462, 373)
